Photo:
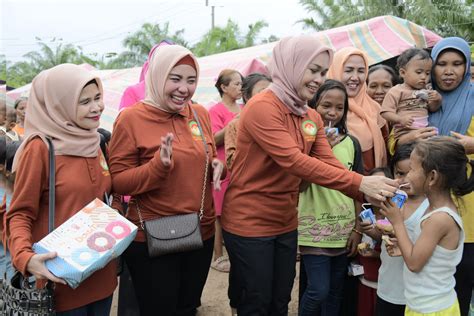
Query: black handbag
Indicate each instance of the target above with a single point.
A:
(176, 233)
(18, 296)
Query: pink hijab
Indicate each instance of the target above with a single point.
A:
(136, 92)
(51, 112)
(161, 63)
(363, 118)
(291, 56)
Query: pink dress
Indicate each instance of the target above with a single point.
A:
(220, 117)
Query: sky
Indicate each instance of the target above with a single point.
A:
(99, 26)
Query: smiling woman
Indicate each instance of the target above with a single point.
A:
(90, 106)
(280, 141)
(65, 105)
(363, 120)
(160, 154)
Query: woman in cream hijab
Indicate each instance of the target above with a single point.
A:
(350, 66)
(65, 105)
(158, 157)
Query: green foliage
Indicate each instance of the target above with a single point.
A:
(445, 17)
(46, 57)
(137, 44)
(140, 43)
(229, 37)
(3, 68)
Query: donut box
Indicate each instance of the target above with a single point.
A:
(86, 242)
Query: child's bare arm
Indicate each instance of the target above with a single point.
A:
(434, 100)
(433, 230)
(394, 118)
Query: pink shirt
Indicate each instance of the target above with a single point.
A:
(220, 117)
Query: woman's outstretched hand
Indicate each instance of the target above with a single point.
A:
(166, 150)
(217, 168)
(38, 269)
(378, 187)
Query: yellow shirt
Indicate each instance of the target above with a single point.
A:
(466, 208)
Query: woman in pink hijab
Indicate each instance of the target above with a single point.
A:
(281, 141)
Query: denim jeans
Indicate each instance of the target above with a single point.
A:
(97, 308)
(324, 292)
(5, 263)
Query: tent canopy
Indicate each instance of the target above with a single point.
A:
(381, 38)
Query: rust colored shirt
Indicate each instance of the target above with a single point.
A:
(137, 170)
(275, 150)
(79, 180)
(230, 142)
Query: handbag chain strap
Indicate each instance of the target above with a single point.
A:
(206, 171)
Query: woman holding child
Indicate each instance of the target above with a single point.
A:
(451, 78)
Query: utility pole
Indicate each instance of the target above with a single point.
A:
(212, 14)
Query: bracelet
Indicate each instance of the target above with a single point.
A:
(357, 231)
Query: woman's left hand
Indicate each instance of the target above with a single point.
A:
(466, 141)
(391, 211)
(217, 168)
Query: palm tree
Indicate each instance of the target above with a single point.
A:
(227, 38)
(445, 17)
(46, 57)
(140, 43)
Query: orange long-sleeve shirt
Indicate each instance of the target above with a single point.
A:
(137, 170)
(275, 150)
(79, 180)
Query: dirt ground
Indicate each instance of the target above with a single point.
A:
(214, 298)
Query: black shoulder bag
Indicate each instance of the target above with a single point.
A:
(176, 233)
(18, 296)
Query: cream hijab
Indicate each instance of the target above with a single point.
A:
(163, 60)
(363, 118)
(291, 56)
(51, 112)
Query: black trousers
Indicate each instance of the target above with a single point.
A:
(465, 278)
(171, 284)
(127, 300)
(384, 308)
(265, 268)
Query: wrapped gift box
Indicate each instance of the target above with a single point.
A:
(86, 242)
